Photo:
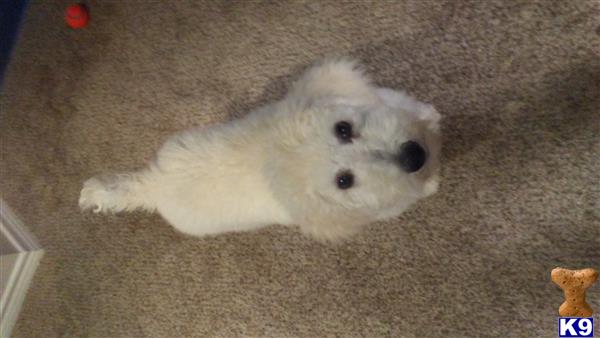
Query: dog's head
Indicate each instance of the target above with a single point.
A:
(348, 153)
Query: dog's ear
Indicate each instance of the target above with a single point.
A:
(330, 227)
(430, 115)
(422, 111)
(333, 77)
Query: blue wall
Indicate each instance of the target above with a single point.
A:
(11, 13)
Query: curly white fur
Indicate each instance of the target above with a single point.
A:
(278, 164)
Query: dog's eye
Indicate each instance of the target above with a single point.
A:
(343, 131)
(345, 180)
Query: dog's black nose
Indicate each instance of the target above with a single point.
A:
(412, 156)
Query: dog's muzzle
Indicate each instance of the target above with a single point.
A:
(411, 157)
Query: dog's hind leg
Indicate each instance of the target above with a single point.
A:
(118, 192)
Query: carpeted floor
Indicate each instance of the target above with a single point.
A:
(518, 83)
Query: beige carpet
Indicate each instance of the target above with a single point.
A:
(518, 82)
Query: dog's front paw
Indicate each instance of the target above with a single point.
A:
(94, 195)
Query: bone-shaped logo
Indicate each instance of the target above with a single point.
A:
(574, 283)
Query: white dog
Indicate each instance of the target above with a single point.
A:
(335, 153)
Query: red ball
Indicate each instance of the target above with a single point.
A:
(77, 16)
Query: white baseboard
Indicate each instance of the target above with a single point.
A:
(20, 255)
